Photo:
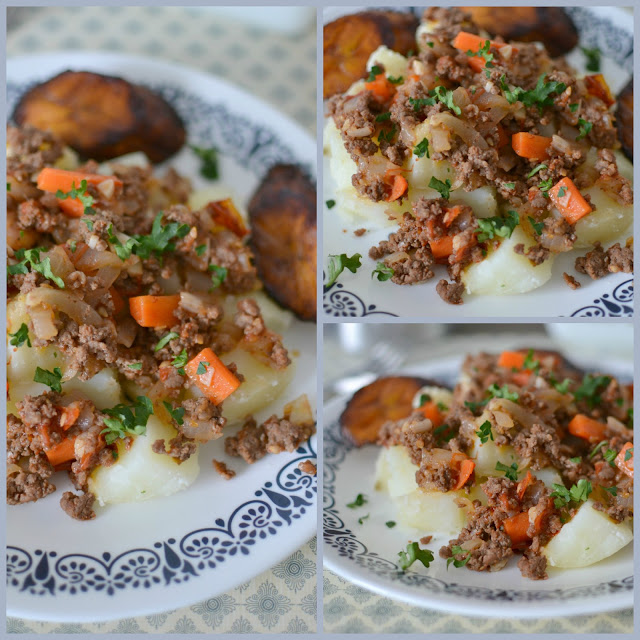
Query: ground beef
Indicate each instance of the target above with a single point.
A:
(306, 466)
(223, 470)
(537, 254)
(426, 540)
(597, 263)
(557, 232)
(415, 433)
(175, 186)
(248, 443)
(29, 150)
(359, 232)
(533, 565)
(33, 215)
(450, 292)
(249, 318)
(27, 486)
(201, 412)
(611, 181)
(370, 186)
(78, 507)
(355, 116)
(180, 448)
(571, 281)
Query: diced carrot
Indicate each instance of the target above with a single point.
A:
(400, 186)
(52, 180)
(215, 380)
(118, 301)
(523, 484)
(530, 146)
(62, 452)
(511, 359)
(381, 88)
(431, 411)
(521, 378)
(225, 214)
(442, 247)
(626, 466)
(465, 41)
(451, 215)
(516, 528)
(69, 415)
(154, 311)
(587, 428)
(466, 469)
(597, 86)
(569, 201)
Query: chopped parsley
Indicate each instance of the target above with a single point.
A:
(337, 264)
(593, 58)
(209, 158)
(20, 336)
(577, 493)
(597, 448)
(202, 367)
(361, 520)
(383, 117)
(123, 251)
(375, 71)
(541, 95)
(160, 239)
(489, 228)
(172, 335)
(484, 52)
(535, 170)
(590, 387)
(575, 460)
(511, 95)
(442, 406)
(180, 361)
(79, 194)
(72, 245)
(387, 136)
(610, 455)
(458, 551)
(390, 524)
(510, 472)
(474, 407)
(360, 500)
(562, 387)
(612, 490)
(485, 433)
(52, 379)
(628, 454)
(545, 185)
(176, 414)
(413, 553)
(136, 366)
(502, 392)
(127, 419)
(585, 128)
(562, 192)
(509, 185)
(531, 363)
(423, 399)
(419, 103)
(398, 80)
(200, 249)
(218, 275)
(30, 258)
(422, 149)
(89, 223)
(446, 97)
(443, 188)
(382, 272)
(573, 107)
(537, 226)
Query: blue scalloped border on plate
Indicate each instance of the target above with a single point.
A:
(277, 504)
(347, 545)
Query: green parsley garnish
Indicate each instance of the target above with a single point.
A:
(489, 228)
(123, 251)
(502, 392)
(484, 52)
(390, 524)
(540, 96)
(575, 460)
(330, 204)
(589, 388)
(612, 490)
(20, 336)
(89, 223)
(337, 264)
(360, 500)
(577, 493)
(509, 185)
(172, 335)
(398, 80)
(531, 363)
(160, 238)
(202, 367)
(387, 136)
(458, 551)
(485, 433)
(30, 258)
(446, 97)
(545, 185)
(610, 455)
(562, 192)
(423, 399)
(200, 249)
(419, 103)
(422, 149)
(585, 128)
(573, 107)
(628, 454)
(442, 406)
(176, 414)
(413, 553)
(535, 170)
(51, 379)
(382, 272)
(218, 275)
(537, 226)
(375, 71)
(72, 245)
(361, 520)
(78, 194)
(443, 188)
(180, 361)
(593, 58)
(126, 419)
(597, 448)
(136, 366)
(383, 117)
(209, 158)
(509, 472)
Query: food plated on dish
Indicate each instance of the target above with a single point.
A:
(488, 158)
(520, 465)
(142, 341)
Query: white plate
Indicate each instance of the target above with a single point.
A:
(153, 556)
(357, 295)
(367, 553)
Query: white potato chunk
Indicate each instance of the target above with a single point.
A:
(262, 385)
(548, 475)
(140, 474)
(488, 454)
(133, 159)
(439, 395)
(395, 473)
(432, 512)
(504, 272)
(276, 318)
(395, 64)
(588, 538)
(201, 197)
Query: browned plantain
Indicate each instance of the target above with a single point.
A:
(103, 117)
(550, 25)
(384, 399)
(350, 40)
(624, 119)
(282, 213)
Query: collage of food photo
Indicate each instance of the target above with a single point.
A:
(410, 414)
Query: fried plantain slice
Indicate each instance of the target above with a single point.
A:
(350, 40)
(384, 399)
(282, 213)
(624, 119)
(103, 117)
(550, 25)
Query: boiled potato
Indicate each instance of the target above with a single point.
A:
(437, 395)
(432, 512)
(140, 474)
(488, 454)
(588, 538)
(395, 64)
(504, 272)
(276, 318)
(212, 193)
(395, 473)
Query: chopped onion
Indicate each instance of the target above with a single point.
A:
(49, 299)
(398, 256)
(298, 411)
(13, 468)
(42, 321)
(191, 302)
(461, 128)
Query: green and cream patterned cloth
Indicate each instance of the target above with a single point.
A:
(282, 71)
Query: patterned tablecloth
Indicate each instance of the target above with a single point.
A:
(281, 70)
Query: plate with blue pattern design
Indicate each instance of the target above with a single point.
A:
(143, 558)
